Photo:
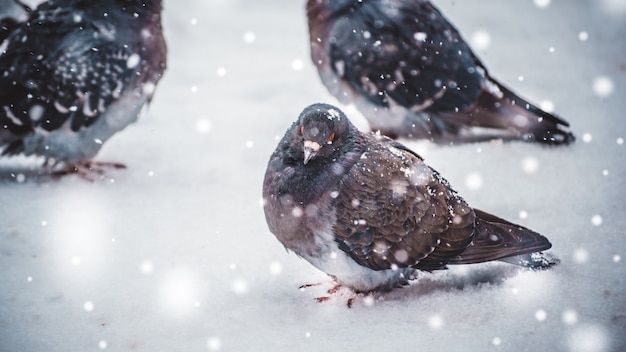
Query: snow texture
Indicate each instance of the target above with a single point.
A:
(173, 253)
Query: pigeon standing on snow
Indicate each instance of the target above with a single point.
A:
(75, 73)
(369, 212)
(411, 74)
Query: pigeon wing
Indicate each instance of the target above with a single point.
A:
(58, 70)
(405, 54)
(394, 210)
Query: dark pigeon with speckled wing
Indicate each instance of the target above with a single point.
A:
(75, 73)
(369, 212)
(411, 74)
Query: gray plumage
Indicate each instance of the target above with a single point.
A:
(411, 74)
(75, 73)
(369, 212)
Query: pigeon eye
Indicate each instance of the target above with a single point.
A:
(331, 138)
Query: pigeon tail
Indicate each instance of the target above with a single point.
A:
(504, 114)
(498, 239)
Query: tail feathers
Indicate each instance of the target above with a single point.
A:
(500, 113)
(12, 148)
(498, 239)
(536, 124)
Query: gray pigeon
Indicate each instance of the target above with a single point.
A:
(411, 74)
(370, 213)
(75, 73)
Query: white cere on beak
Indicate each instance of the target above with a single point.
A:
(310, 149)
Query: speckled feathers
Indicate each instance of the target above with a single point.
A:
(68, 66)
(411, 74)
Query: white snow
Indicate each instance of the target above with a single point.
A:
(249, 37)
(174, 254)
(474, 181)
(603, 86)
(480, 40)
(583, 36)
(133, 60)
(542, 3)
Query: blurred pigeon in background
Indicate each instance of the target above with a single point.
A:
(411, 74)
(76, 72)
(12, 13)
(370, 213)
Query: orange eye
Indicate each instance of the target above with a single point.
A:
(331, 138)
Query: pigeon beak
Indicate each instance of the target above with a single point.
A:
(310, 150)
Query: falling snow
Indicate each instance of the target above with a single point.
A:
(570, 317)
(435, 322)
(603, 86)
(481, 40)
(146, 267)
(596, 220)
(581, 256)
(276, 268)
(589, 338)
(297, 65)
(249, 37)
(214, 344)
(541, 315)
(203, 125)
(240, 287)
(474, 181)
(530, 165)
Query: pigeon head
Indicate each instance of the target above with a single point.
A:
(321, 130)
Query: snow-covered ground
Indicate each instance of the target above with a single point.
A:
(173, 253)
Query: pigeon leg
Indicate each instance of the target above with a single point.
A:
(333, 291)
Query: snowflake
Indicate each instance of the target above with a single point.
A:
(249, 37)
(420, 36)
(541, 315)
(603, 86)
(596, 220)
(474, 181)
(214, 344)
(481, 40)
(334, 114)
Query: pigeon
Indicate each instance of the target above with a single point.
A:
(13, 13)
(411, 74)
(370, 213)
(75, 73)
